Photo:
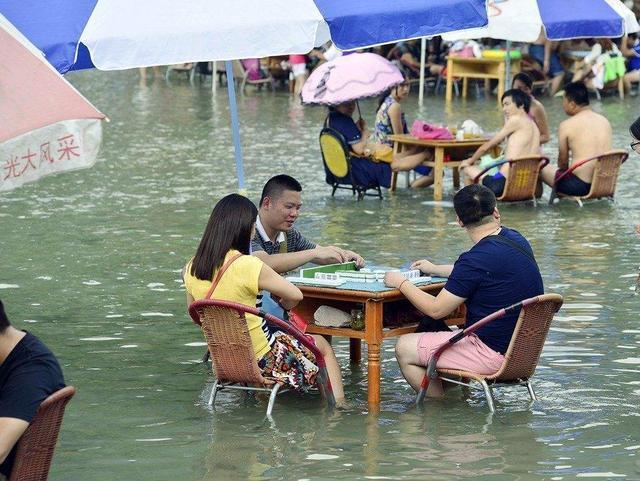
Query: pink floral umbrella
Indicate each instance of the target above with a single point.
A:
(350, 77)
(46, 125)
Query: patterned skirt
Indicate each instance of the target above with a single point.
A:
(290, 362)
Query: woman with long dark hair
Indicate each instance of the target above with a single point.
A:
(225, 243)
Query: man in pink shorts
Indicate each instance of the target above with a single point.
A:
(499, 270)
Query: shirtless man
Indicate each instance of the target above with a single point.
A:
(584, 134)
(522, 81)
(523, 140)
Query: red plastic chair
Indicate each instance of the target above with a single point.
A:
(605, 176)
(224, 326)
(522, 180)
(522, 355)
(35, 448)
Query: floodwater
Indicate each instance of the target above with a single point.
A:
(90, 263)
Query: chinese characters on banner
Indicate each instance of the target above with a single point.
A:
(64, 146)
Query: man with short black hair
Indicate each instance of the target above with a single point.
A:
(522, 136)
(585, 134)
(29, 373)
(277, 243)
(499, 270)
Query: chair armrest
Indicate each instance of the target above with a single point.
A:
(477, 177)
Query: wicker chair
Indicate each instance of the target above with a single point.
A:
(224, 326)
(35, 448)
(605, 176)
(522, 355)
(522, 180)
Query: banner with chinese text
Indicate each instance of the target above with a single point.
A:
(61, 147)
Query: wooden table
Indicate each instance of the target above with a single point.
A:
(374, 333)
(440, 148)
(482, 68)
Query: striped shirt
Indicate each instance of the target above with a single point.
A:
(296, 242)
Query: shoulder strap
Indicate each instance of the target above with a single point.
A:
(283, 248)
(221, 271)
(515, 245)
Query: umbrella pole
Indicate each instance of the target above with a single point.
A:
(423, 48)
(507, 74)
(235, 127)
(359, 113)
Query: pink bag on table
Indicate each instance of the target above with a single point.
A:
(423, 130)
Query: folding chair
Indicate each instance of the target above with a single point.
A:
(242, 77)
(34, 451)
(336, 158)
(522, 355)
(605, 176)
(522, 180)
(234, 362)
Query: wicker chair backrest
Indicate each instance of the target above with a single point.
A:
(35, 448)
(528, 339)
(605, 174)
(229, 342)
(522, 179)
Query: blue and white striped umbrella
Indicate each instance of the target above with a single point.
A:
(121, 34)
(521, 20)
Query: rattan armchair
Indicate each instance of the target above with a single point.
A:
(225, 328)
(605, 176)
(522, 180)
(522, 355)
(34, 451)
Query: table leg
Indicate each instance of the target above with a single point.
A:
(438, 173)
(355, 350)
(465, 85)
(373, 325)
(449, 90)
(456, 178)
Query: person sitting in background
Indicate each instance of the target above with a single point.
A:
(545, 52)
(390, 120)
(630, 48)
(583, 135)
(408, 53)
(592, 70)
(499, 270)
(356, 135)
(522, 136)
(225, 244)
(522, 81)
(29, 373)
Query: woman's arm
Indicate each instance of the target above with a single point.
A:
(395, 115)
(271, 281)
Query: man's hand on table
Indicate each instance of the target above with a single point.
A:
(394, 279)
(328, 255)
(352, 256)
(424, 266)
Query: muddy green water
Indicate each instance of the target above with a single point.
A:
(90, 261)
